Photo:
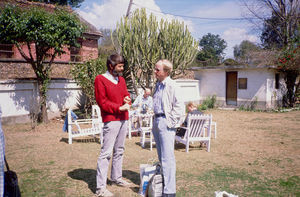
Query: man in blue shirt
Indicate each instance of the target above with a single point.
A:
(168, 111)
(144, 102)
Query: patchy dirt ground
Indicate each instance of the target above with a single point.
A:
(256, 146)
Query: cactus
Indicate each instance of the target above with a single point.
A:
(143, 41)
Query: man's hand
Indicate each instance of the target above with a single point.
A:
(127, 100)
(125, 107)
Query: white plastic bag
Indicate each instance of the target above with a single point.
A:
(155, 187)
(146, 173)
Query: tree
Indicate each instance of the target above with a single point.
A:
(289, 64)
(280, 20)
(85, 73)
(280, 33)
(72, 3)
(242, 52)
(106, 44)
(44, 34)
(212, 47)
(143, 41)
(269, 37)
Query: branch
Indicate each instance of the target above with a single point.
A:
(29, 49)
(51, 61)
(29, 60)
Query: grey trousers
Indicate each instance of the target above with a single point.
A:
(114, 135)
(164, 138)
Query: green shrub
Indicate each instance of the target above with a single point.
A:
(85, 73)
(208, 103)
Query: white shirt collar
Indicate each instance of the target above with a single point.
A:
(110, 77)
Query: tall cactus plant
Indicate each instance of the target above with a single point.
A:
(143, 41)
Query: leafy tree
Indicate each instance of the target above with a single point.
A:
(270, 37)
(44, 34)
(280, 26)
(280, 33)
(242, 52)
(212, 47)
(85, 73)
(144, 41)
(289, 64)
(72, 3)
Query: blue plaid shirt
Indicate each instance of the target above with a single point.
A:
(2, 152)
(157, 98)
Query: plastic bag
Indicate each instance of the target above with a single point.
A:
(155, 186)
(146, 173)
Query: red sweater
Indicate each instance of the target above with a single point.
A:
(110, 97)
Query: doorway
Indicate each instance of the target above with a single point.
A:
(231, 88)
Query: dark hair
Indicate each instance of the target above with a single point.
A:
(113, 60)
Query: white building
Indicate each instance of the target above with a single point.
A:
(256, 86)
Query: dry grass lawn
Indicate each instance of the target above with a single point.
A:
(255, 154)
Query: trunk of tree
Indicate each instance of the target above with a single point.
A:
(134, 85)
(42, 116)
(290, 80)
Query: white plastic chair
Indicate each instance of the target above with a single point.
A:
(146, 129)
(131, 124)
(198, 130)
(85, 127)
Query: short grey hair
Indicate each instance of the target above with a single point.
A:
(167, 65)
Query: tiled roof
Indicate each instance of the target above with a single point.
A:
(91, 29)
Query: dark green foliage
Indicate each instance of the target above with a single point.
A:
(212, 49)
(208, 103)
(270, 36)
(242, 52)
(45, 34)
(289, 65)
(85, 73)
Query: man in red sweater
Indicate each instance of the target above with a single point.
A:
(114, 101)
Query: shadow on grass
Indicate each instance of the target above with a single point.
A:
(134, 178)
(89, 176)
(86, 175)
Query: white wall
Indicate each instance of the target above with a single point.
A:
(189, 90)
(256, 85)
(212, 82)
(16, 98)
(63, 94)
(19, 97)
(260, 86)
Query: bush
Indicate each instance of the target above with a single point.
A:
(85, 73)
(230, 62)
(208, 103)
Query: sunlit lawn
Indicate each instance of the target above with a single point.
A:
(255, 154)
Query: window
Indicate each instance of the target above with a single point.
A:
(242, 83)
(6, 51)
(75, 54)
(276, 80)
